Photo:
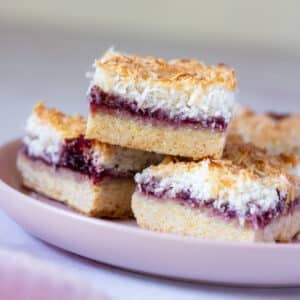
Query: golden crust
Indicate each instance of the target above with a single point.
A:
(68, 126)
(258, 161)
(255, 159)
(177, 164)
(222, 167)
(179, 73)
(277, 135)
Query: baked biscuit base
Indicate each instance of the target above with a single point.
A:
(109, 199)
(170, 217)
(133, 133)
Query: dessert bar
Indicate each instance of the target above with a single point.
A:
(247, 198)
(277, 133)
(92, 177)
(178, 107)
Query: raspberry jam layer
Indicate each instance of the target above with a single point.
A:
(278, 116)
(100, 100)
(77, 155)
(257, 220)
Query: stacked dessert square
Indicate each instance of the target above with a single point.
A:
(277, 133)
(216, 180)
(247, 196)
(92, 177)
(178, 107)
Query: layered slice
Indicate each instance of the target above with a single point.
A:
(246, 199)
(178, 107)
(277, 133)
(248, 154)
(92, 177)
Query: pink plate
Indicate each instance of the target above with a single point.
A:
(123, 244)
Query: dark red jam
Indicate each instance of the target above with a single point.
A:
(76, 155)
(258, 220)
(100, 100)
(278, 116)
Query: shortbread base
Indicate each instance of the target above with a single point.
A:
(133, 133)
(110, 198)
(171, 217)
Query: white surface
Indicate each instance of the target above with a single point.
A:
(37, 64)
(36, 279)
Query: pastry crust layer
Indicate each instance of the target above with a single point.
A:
(110, 199)
(256, 159)
(136, 134)
(171, 217)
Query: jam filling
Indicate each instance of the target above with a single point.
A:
(278, 116)
(100, 100)
(76, 155)
(257, 220)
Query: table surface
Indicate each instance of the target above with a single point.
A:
(44, 64)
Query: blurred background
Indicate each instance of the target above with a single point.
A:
(46, 47)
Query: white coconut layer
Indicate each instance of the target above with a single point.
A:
(42, 140)
(243, 196)
(191, 102)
